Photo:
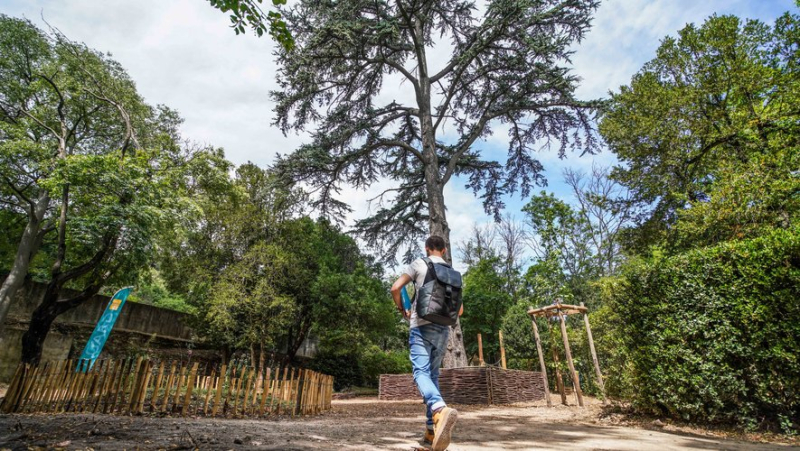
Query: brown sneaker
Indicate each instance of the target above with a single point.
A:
(428, 437)
(443, 422)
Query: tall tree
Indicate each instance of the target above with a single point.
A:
(95, 172)
(505, 70)
(58, 99)
(719, 94)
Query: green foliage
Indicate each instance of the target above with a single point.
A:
(565, 250)
(746, 200)
(362, 367)
(506, 69)
(486, 301)
(249, 13)
(716, 102)
(518, 338)
(375, 361)
(344, 367)
(246, 306)
(710, 335)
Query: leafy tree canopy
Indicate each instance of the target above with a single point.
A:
(505, 70)
(244, 13)
(715, 101)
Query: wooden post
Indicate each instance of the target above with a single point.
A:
(168, 388)
(594, 356)
(559, 378)
(189, 388)
(575, 380)
(541, 361)
(264, 392)
(480, 350)
(218, 390)
(502, 351)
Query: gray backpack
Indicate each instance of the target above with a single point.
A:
(439, 298)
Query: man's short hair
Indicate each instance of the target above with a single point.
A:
(435, 243)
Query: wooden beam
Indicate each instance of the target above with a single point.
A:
(559, 378)
(502, 351)
(575, 380)
(480, 350)
(594, 356)
(541, 362)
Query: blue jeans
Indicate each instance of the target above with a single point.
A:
(427, 345)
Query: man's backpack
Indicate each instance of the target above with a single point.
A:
(439, 298)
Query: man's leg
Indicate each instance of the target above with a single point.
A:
(438, 337)
(444, 418)
(421, 350)
(428, 345)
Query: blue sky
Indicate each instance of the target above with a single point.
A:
(181, 53)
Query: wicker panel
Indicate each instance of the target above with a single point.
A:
(511, 386)
(395, 387)
(470, 385)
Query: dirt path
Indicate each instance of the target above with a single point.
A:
(360, 425)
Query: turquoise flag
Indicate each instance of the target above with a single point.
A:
(103, 329)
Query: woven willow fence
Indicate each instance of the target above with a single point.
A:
(470, 385)
(140, 386)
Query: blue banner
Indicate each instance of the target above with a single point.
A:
(101, 332)
(406, 299)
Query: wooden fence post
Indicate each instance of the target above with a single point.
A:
(502, 351)
(480, 349)
(559, 377)
(541, 361)
(576, 382)
(594, 355)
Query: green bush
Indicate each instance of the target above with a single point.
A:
(710, 335)
(344, 368)
(361, 369)
(375, 362)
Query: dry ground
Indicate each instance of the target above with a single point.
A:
(366, 424)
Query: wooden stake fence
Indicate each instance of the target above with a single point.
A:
(138, 386)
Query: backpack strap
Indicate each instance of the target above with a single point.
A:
(431, 274)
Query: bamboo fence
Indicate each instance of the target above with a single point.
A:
(470, 385)
(140, 386)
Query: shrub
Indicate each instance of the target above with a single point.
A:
(375, 362)
(344, 368)
(360, 369)
(712, 334)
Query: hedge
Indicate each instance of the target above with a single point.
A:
(713, 335)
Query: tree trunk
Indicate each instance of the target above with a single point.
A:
(294, 343)
(44, 315)
(456, 355)
(28, 246)
(41, 321)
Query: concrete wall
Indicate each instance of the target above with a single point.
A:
(139, 326)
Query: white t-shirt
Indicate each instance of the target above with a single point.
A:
(417, 270)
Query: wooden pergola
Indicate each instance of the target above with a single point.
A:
(561, 311)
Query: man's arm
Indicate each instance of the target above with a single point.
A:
(398, 300)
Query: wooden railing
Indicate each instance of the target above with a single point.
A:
(139, 386)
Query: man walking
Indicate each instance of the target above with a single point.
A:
(428, 342)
